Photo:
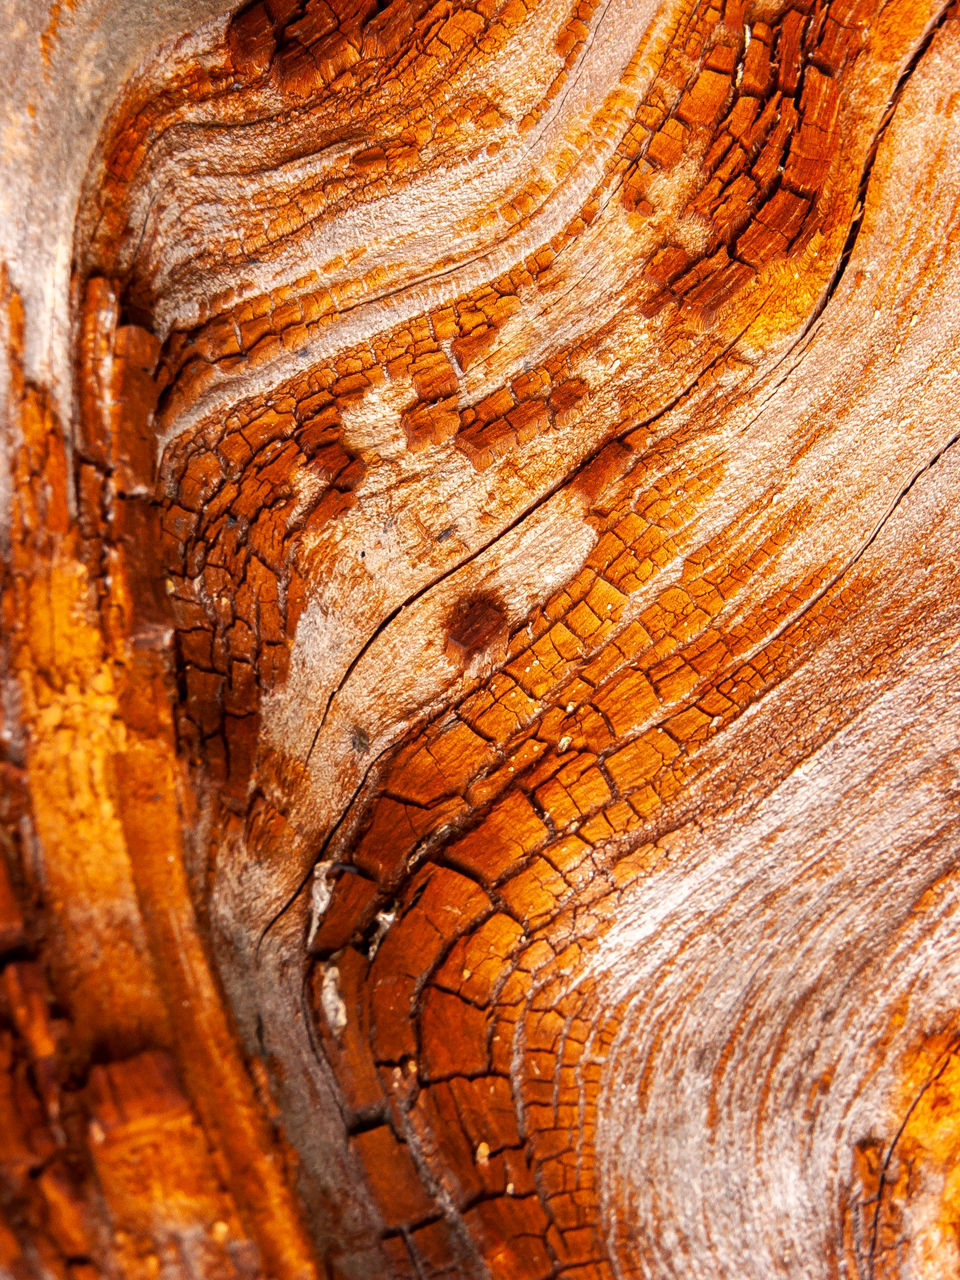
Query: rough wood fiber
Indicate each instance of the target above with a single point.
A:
(480, 640)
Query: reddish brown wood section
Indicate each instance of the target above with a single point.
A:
(480, 641)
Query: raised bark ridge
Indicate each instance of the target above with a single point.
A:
(482, 655)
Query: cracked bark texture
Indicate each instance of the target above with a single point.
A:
(481, 679)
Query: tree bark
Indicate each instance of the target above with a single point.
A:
(480, 640)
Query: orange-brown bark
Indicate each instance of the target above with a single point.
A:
(480, 644)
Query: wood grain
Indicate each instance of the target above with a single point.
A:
(480, 641)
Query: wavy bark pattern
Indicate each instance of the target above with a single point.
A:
(501, 538)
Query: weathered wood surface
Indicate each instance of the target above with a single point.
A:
(480, 640)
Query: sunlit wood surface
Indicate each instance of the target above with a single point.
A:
(480, 640)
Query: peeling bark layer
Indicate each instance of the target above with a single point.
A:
(480, 640)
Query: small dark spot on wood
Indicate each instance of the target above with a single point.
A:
(474, 625)
(359, 741)
(444, 534)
